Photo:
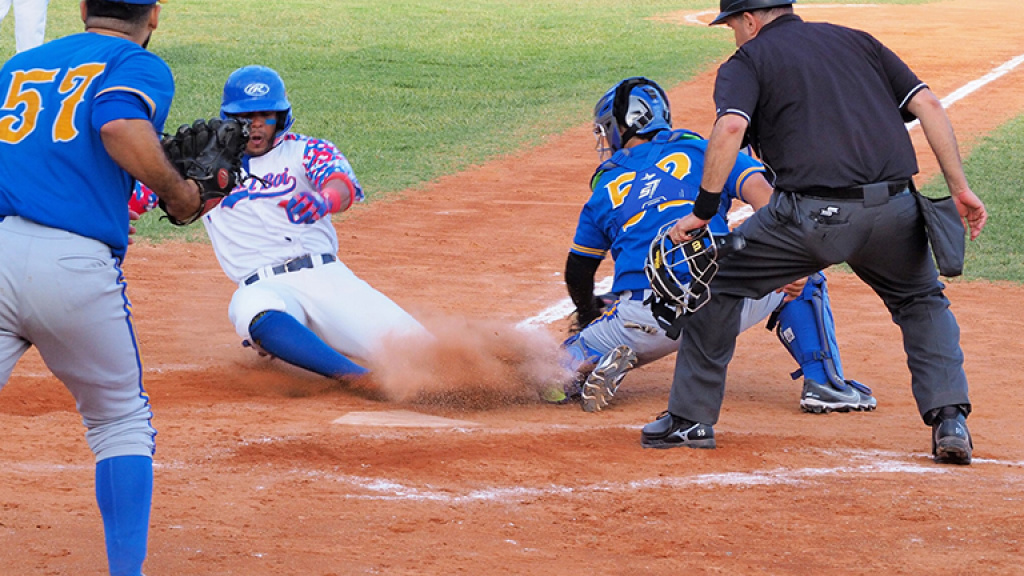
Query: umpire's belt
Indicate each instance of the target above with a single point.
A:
(307, 261)
(889, 188)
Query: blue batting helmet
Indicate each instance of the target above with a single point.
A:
(633, 106)
(257, 89)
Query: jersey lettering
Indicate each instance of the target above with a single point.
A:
(650, 185)
(24, 103)
(634, 220)
(75, 84)
(619, 188)
(30, 102)
(676, 164)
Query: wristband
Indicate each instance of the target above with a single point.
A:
(707, 203)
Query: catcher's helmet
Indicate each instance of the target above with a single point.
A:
(633, 106)
(730, 7)
(257, 89)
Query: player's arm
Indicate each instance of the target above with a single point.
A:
(335, 187)
(579, 281)
(939, 132)
(133, 144)
(726, 139)
(339, 192)
(589, 247)
(755, 190)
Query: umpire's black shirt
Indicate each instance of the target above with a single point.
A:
(826, 104)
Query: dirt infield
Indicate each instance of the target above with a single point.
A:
(256, 475)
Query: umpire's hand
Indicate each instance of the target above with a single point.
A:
(686, 225)
(972, 210)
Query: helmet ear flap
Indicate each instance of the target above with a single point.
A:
(654, 119)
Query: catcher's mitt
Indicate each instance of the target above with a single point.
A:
(210, 153)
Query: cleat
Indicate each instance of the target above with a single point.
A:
(867, 401)
(951, 441)
(824, 399)
(600, 387)
(671, 431)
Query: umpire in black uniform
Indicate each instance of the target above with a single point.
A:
(824, 107)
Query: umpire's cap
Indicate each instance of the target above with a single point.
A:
(136, 1)
(730, 7)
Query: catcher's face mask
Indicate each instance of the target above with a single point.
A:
(680, 274)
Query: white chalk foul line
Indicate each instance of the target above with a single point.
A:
(560, 309)
(390, 490)
(974, 85)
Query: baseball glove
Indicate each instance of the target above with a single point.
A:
(210, 153)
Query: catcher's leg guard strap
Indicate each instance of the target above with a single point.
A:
(282, 336)
(806, 328)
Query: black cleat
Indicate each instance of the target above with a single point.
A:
(670, 431)
(951, 441)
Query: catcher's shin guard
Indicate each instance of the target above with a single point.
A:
(806, 328)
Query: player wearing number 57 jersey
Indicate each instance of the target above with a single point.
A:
(79, 118)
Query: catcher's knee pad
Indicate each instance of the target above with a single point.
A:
(579, 354)
(806, 328)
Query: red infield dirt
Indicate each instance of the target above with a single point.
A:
(254, 476)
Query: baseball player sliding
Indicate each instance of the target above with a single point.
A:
(273, 236)
(649, 181)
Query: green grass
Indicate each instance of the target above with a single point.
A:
(995, 170)
(412, 90)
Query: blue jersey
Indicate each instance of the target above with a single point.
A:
(639, 190)
(53, 101)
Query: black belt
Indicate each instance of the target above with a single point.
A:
(853, 192)
(290, 266)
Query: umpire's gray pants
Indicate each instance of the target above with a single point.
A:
(884, 242)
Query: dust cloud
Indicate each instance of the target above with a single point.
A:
(469, 364)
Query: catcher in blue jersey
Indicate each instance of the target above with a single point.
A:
(79, 123)
(650, 181)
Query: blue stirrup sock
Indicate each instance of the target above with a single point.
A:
(281, 335)
(124, 492)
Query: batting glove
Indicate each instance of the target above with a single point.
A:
(308, 207)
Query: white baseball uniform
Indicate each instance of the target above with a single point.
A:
(281, 265)
(29, 21)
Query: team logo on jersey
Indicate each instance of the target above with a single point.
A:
(257, 89)
(651, 182)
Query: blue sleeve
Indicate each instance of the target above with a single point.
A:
(590, 239)
(118, 105)
(744, 168)
(322, 160)
(142, 76)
